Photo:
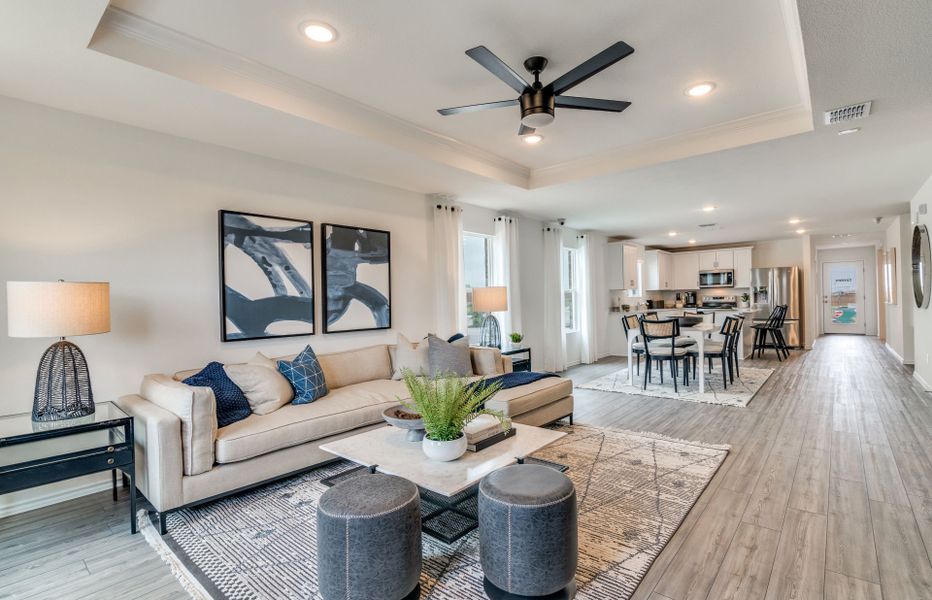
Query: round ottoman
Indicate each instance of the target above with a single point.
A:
(527, 531)
(369, 539)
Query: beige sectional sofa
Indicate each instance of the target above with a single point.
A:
(183, 459)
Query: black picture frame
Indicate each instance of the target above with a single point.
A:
(234, 301)
(327, 266)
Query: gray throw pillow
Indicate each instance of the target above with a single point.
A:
(447, 358)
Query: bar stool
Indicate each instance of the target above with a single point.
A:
(773, 326)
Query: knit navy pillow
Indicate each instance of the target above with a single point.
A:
(305, 376)
(232, 405)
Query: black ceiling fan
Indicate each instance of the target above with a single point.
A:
(538, 101)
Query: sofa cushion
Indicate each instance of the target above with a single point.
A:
(409, 355)
(521, 399)
(266, 389)
(232, 405)
(355, 366)
(449, 358)
(341, 410)
(486, 361)
(305, 376)
(197, 410)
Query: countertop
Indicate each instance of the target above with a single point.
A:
(743, 311)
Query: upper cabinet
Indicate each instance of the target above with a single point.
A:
(715, 260)
(621, 266)
(658, 270)
(686, 271)
(742, 266)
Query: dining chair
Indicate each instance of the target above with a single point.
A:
(735, 345)
(630, 322)
(720, 350)
(660, 346)
(774, 327)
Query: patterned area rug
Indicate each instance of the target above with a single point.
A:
(634, 489)
(738, 393)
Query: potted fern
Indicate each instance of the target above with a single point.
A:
(447, 404)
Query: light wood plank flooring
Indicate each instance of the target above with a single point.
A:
(827, 493)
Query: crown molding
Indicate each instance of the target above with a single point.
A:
(132, 38)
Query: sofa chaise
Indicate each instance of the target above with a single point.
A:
(184, 459)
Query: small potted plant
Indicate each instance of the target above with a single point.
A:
(516, 338)
(744, 302)
(448, 403)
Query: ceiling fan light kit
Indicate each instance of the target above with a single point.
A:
(537, 101)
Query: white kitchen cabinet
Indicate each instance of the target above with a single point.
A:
(715, 260)
(621, 266)
(743, 267)
(686, 271)
(658, 270)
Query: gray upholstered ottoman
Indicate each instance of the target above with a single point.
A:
(369, 539)
(527, 531)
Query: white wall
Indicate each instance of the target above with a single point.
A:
(867, 255)
(88, 199)
(922, 318)
(792, 252)
(899, 316)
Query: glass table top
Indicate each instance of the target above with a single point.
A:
(21, 425)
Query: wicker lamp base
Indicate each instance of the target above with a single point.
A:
(63, 384)
(491, 333)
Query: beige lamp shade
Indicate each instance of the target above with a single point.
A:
(490, 299)
(57, 308)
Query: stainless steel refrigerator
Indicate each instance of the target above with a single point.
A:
(773, 286)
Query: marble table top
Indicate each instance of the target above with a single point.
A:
(387, 449)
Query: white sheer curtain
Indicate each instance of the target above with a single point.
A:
(592, 289)
(450, 291)
(554, 342)
(505, 272)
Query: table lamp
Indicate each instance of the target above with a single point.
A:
(59, 309)
(489, 300)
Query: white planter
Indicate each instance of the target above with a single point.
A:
(743, 304)
(444, 451)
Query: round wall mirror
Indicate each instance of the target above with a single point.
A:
(922, 266)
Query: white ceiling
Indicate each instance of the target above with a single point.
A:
(237, 73)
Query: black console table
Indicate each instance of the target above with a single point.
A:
(33, 454)
(522, 363)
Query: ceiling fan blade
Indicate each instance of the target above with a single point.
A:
(525, 130)
(497, 67)
(591, 103)
(474, 107)
(596, 64)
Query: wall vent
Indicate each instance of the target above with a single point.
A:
(847, 113)
(708, 224)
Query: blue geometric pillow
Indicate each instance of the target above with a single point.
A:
(232, 405)
(305, 376)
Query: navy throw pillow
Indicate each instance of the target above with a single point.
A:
(454, 337)
(232, 405)
(305, 376)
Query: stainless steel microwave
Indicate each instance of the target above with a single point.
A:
(717, 279)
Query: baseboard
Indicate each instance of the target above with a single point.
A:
(925, 384)
(894, 353)
(34, 499)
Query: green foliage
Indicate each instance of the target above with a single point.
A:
(745, 297)
(516, 337)
(448, 403)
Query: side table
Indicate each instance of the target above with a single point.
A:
(522, 363)
(33, 454)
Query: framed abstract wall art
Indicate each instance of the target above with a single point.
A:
(356, 278)
(266, 276)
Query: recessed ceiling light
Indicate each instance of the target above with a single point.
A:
(672, 234)
(700, 89)
(534, 138)
(794, 221)
(708, 208)
(319, 32)
(800, 231)
(847, 131)
(692, 241)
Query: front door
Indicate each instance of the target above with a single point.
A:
(843, 297)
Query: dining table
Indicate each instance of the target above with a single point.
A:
(699, 332)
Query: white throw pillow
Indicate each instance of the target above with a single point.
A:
(265, 387)
(410, 355)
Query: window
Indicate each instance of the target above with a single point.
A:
(570, 289)
(477, 267)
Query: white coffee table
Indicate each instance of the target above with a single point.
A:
(448, 488)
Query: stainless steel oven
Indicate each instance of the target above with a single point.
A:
(717, 279)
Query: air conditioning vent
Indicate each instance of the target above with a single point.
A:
(847, 113)
(708, 224)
